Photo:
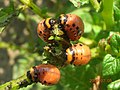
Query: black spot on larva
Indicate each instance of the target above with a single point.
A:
(77, 27)
(44, 35)
(40, 32)
(44, 82)
(45, 38)
(81, 58)
(80, 45)
(75, 34)
(76, 58)
(43, 72)
(49, 83)
(73, 25)
(75, 45)
(76, 53)
(67, 25)
(70, 29)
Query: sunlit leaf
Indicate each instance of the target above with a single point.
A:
(117, 13)
(114, 85)
(111, 65)
(78, 3)
(115, 43)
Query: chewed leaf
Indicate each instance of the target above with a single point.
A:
(78, 3)
(111, 65)
(114, 85)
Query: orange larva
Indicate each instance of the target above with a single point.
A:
(46, 74)
(78, 54)
(72, 24)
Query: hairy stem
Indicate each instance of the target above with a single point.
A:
(20, 82)
(34, 8)
(95, 4)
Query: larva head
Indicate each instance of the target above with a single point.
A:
(46, 74)
(44, 29)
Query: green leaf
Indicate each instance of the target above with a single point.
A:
(51, 38)
(114, 85)
(116, 13)
(111, 65)
(6, 15)
(115, 43)
(78, 3)
(74, 77)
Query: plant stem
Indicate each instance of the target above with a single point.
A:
(22, 81)
(107, 13)
(34, 8)
(95, 4)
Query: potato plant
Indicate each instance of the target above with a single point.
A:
(21, 47)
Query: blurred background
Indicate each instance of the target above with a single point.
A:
(20, 47)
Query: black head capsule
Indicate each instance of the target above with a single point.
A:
(29, 75)
(61, 27)
(52, 22)
(49, 23)
(62, 19)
